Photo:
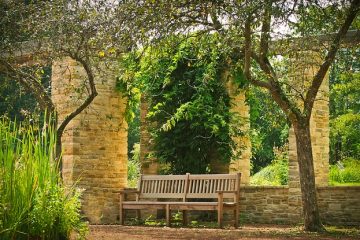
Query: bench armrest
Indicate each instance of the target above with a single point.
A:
(126, 191)
(129, 190)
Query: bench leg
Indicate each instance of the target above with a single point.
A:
(168, 215)
(138, 214)
(122, 215)
(236, 217)
(184, 220)
(220, 216)
(220, 210)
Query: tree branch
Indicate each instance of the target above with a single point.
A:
(31, 84)
(329, 59)
(265, 29)
(247, 48)
(216, 23)
(93, 93)
(275, 89)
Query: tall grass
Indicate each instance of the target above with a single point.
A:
(33, 202)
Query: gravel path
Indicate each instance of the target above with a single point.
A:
(110, 232)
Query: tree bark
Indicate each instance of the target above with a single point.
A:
(312, 220)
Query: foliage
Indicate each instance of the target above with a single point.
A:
(189, 106)
(16, 102)
(35, 34)
(33, 202)
(269, 128)
(345, 106)
(134, 166)
(276, 173)
(346, 171)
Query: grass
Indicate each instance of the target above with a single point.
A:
(33, 202)
(345, 173)
(344, 184)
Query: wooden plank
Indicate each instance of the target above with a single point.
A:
(156, 186)
(208, 186)
(163, 177)
(193, 207)
(165, 186)
(145, 206)
(212, 176)
(175, 186)
(186, 187)
(161, 186)
(161, 195)
(201, 181)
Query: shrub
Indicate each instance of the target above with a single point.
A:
(276, 173)
(134, 166)
(347, 171)
(34, 204)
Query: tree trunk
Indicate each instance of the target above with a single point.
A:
(312, 220)
(58, 152)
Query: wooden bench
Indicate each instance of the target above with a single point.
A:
(177, 191)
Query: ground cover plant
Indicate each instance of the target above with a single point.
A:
(33, 202)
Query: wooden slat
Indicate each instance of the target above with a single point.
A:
(161, 186)
(165, 186)
(208, 186)
(156, 186)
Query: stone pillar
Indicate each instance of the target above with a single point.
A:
(95, 141)
(149, 165)
(320, 134)
(294, 198)
(239, 107)
(319, 130)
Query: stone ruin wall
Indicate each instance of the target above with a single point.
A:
(95, 156)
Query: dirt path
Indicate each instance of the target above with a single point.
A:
(107, 232)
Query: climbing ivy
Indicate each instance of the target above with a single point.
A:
(189, 107)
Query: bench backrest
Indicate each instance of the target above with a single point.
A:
(163, 186)
(207, 185)
(188, 186)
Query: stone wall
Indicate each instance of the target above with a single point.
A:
(95, 142)
(338, 205)
(264, 204)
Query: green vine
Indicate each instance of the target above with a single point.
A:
(189, 107)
